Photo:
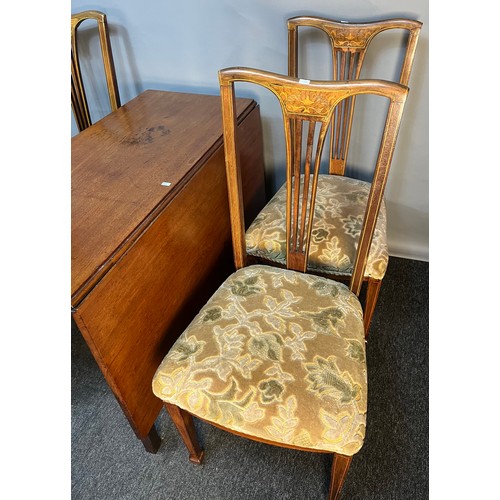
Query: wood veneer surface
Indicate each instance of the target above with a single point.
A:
(176, 250)
(119, 165)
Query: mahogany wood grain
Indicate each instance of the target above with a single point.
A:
(340, 466)
(118, 167)
(146, 257)
(183, 421)
(372, 292)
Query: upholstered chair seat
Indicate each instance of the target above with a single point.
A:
(338, 218)
(277, 355)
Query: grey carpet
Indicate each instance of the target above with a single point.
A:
(109, 462)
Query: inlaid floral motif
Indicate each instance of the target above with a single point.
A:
(311, 101)
(350, 38)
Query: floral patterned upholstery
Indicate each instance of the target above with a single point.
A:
(276, 355)
(338, 218)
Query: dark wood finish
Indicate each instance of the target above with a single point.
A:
(340, 466)
(184, 423)
(152, 441)
(146, 257)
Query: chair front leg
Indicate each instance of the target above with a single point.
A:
(372, 291)
(185, 425)
(340, 466)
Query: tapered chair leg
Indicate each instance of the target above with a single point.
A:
(372, 292)
(340, 466)
(185, 425)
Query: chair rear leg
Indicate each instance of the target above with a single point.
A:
(340, 466)
(185, 425)
(372, 291)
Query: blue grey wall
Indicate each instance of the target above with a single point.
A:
(181, 46)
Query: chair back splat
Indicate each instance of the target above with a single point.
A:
(349, 44)
(307, 108)
(278, 355)
(79, 101)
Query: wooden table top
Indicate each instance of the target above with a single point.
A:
(119, 165)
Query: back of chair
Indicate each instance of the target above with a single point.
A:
(78, 97)
(349, 43)
(307, 108)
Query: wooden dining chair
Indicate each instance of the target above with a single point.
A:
(335, 241)
(79, 101)
(278, 355)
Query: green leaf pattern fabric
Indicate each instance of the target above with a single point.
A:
(338, 218)
(277, 355)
